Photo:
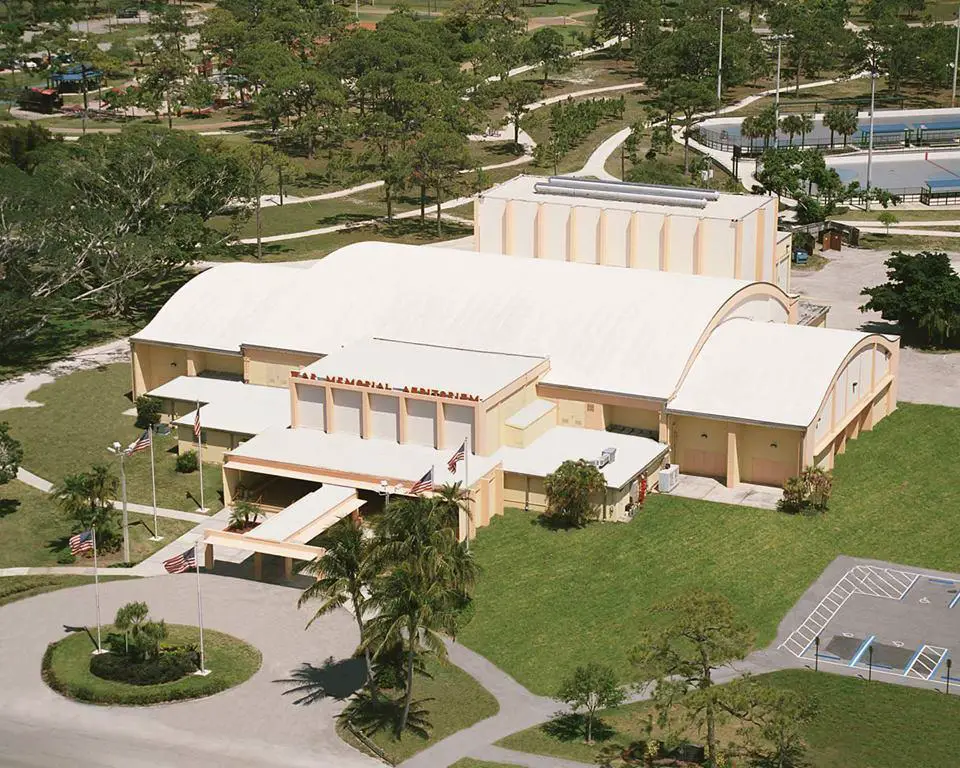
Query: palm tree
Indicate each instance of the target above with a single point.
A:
(805, 123)
(791, 125)
(454, 499)
(427, 576)
(750, 130)
(840, 120)
(343, 573)
(88, 497)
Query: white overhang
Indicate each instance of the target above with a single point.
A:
(230, 406)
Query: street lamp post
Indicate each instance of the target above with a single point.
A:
(956, 55)
(720, 61)
(776, 95)
(385, 490)
(117, 449)
(873, 96)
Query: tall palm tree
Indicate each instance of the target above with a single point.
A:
(453, 498)
(427, 576)
(805, 123)
(88, 497)
(344, 572)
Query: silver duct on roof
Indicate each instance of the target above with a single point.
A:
(631, 188)
(620, 197)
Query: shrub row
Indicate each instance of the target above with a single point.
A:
(168, 666)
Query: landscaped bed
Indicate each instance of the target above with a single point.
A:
(548, 601)
(66, 669)
(857, 725)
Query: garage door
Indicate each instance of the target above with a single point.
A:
(767, 472)
(346, 411)
(421, 422)
(311, 402)
(706, 463)
(385, 417)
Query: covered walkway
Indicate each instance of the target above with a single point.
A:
(287, 534)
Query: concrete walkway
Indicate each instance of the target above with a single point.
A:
(909, 231)
(743, 494)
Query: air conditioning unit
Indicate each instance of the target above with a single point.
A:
(607, 456)
(669, 478)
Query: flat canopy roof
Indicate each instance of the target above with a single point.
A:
(400, 364)
(943, 185)
(231, 406)
(550, 450)
(768, 373)
(726, 206)
(351, 455)
(300, 516)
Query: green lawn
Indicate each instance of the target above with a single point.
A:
(82, 415)
(13, 588)
(927, 214)
(318, 246)
(909, 243)
(858, 725)
(469, 762)
(66, 669)
(550, 600)
(453, 700)
(34, 532)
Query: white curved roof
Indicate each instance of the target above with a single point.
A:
(220, 307)
(768, 373)
(626, 331)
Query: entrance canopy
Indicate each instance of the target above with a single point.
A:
(286, 533)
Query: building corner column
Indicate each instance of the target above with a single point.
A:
(733, 458)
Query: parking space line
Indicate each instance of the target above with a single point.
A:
(953, 602)
(915, 656)
(910, 585)
(926, 662)
(862, 650)
(941, 581)
(934, 672)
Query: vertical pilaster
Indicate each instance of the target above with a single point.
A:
(733, 459)
(508, 227)
(402, 426)
(762, 246)
(328, 409)
(700, 236)
(538, 231)
(571, 254)
(364, 415)
(438, 433)
(633, 258)
(665, 243)
(602, 237)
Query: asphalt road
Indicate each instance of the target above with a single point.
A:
(254, 724)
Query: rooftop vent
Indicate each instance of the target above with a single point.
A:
(628, 192)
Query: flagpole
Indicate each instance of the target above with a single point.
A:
(466, 484)
(203, 671)
(96, 587)
(153, 482)
(200, 455)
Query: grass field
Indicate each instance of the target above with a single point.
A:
(13, 588)
(83, 414)
(929, 214)
(34, 532)
(317, 246)
(469, 762)
(550, 600)
(230, 661)
(858, 725)
(909, 243)
(453, 700)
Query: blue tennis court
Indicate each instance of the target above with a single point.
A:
(902, 173)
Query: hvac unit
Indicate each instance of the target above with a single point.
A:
(669, 478)
(607, 456)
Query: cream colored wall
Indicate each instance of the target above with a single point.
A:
(679, 241)
(211, 362)
(521, 438)
(699, 446)
(638, 418)
(154, 364)
(271, 367)
(768, 455)
(497, 413)
(215, 443)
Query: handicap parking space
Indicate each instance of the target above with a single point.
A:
(911, 633)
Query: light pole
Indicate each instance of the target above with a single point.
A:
(776, 96)
(956, 55)
(720, 61)
(117, 449)
(385, 490)
(873, 96)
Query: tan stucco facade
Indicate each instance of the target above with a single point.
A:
(271, 367)
(156, 364)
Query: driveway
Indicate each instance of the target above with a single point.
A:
(252, 725)
(925, 377)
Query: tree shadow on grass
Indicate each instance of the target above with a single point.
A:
(572, 727)
(334, 679)
(8, 507)
(553, 523)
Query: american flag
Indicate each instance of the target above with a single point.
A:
(196, 422)
(141, 443)
(81, 542)
(457, 458)
(425, 483)
(181, 563)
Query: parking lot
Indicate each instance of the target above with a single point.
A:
(881, 621)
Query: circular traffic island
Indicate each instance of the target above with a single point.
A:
(117, 677)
